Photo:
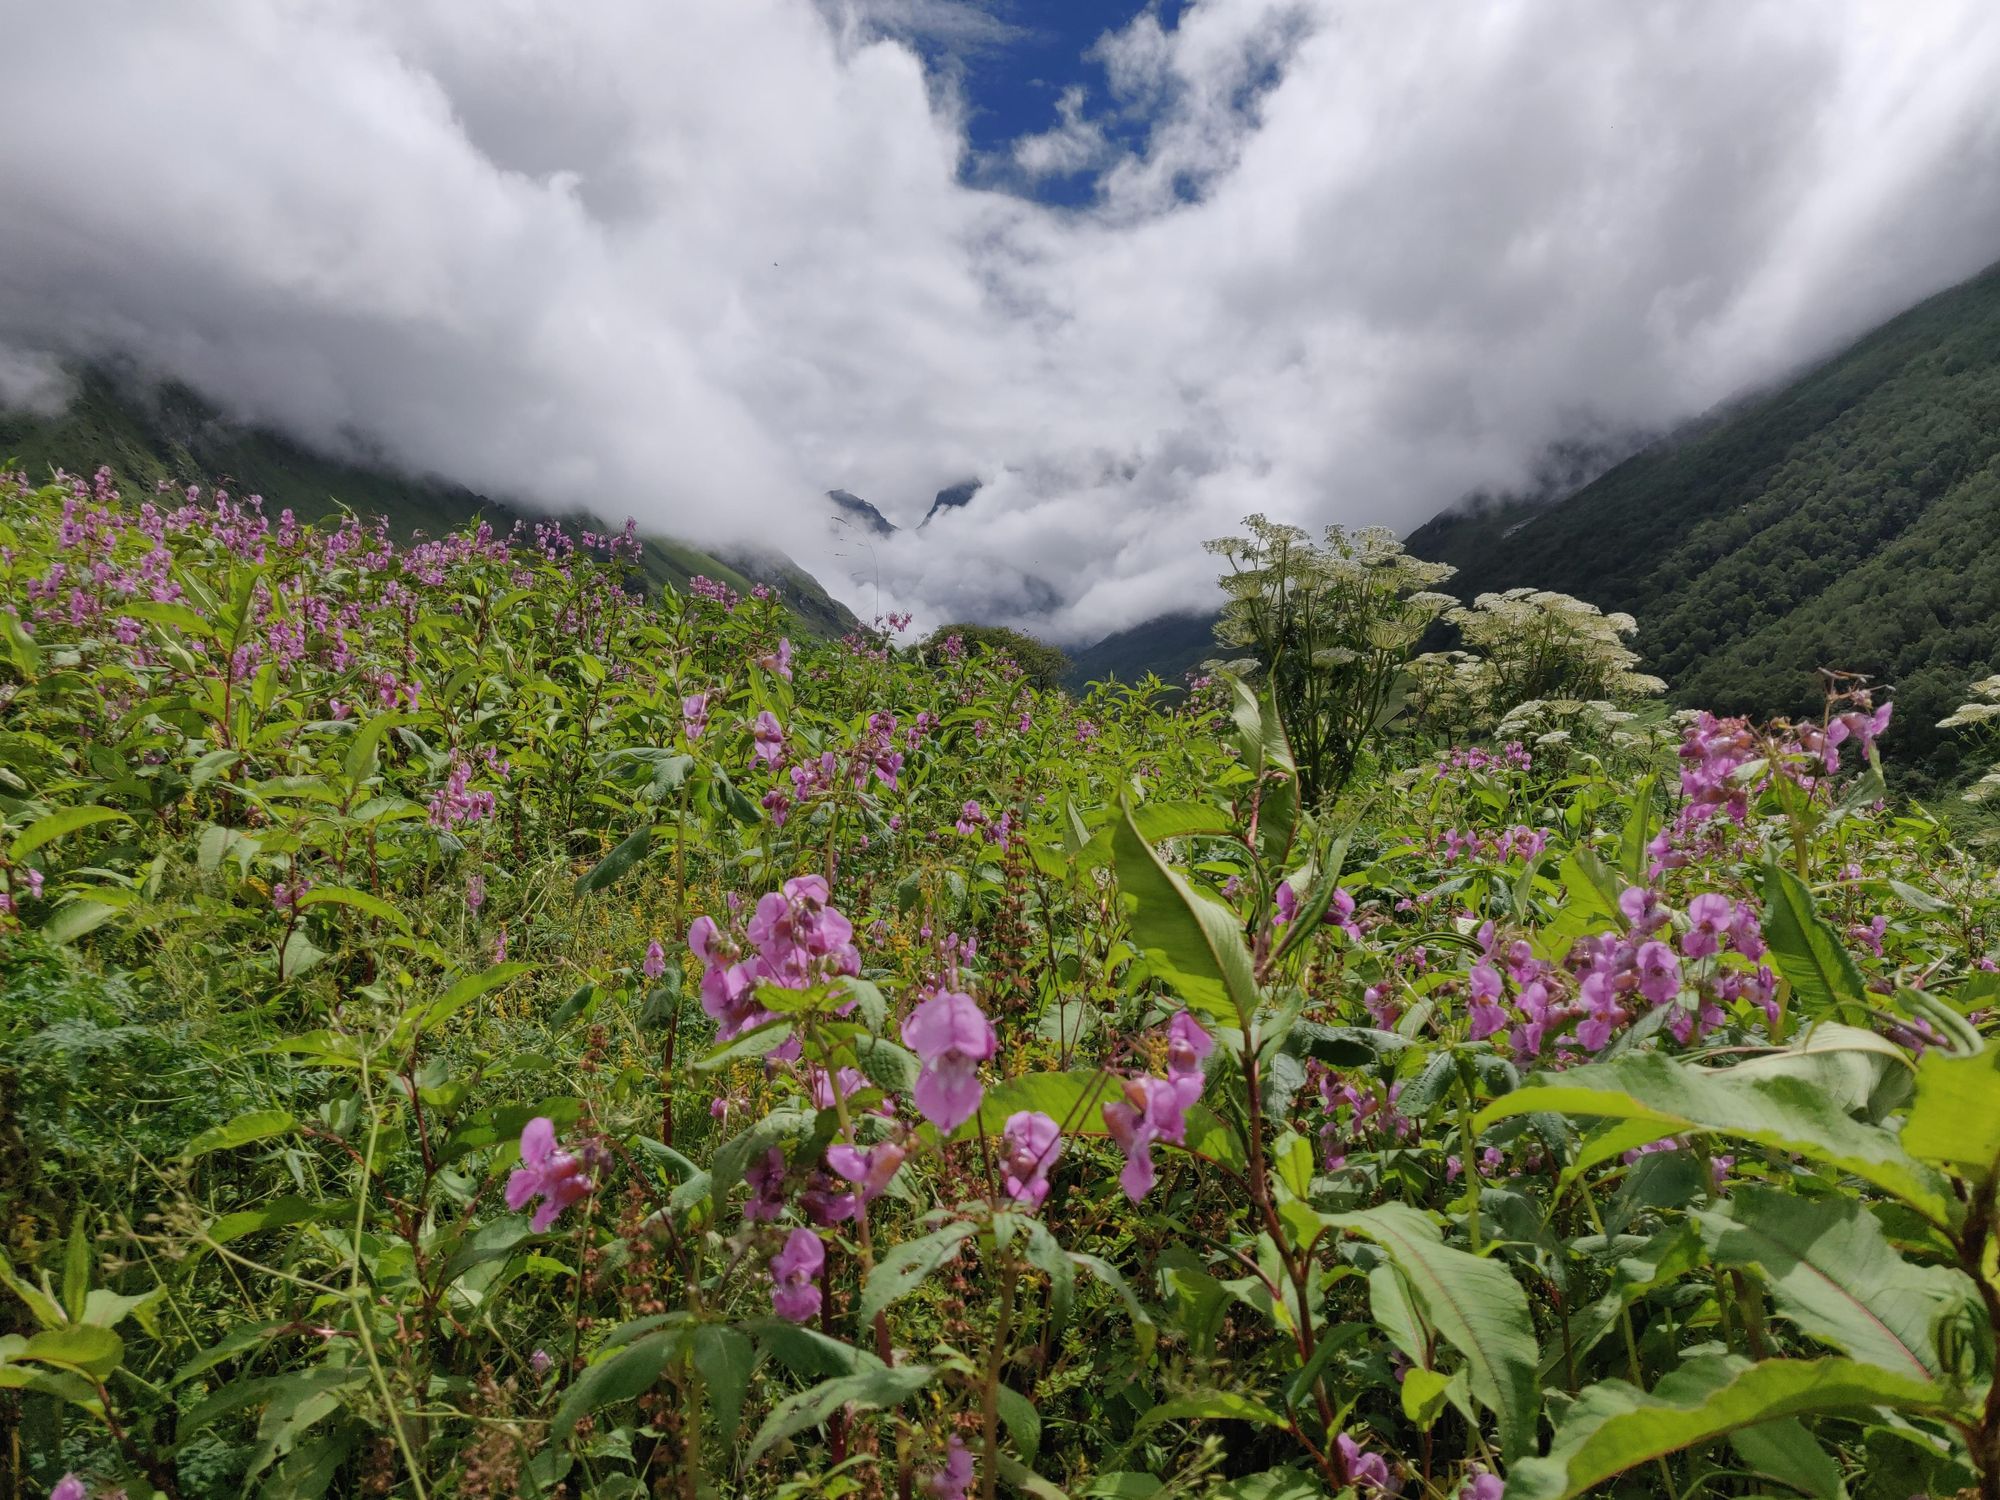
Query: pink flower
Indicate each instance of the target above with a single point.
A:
(951, 1037)
(779, 661)
(694, 715)
(954, 1480)
(1034, 1142)
(1486, 990)
(540, 1362)
(1364, 1470)
(656, 960)
(795, 1276)
(770, 737)
(1709, 917)
(546, 1172)
(69, 1487)
(1659, 972)
(1287, 903)
(766, 1179)
(475, 892)
(870, 1170)
(1481, 1485)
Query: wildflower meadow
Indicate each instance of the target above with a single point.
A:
(471, 1029)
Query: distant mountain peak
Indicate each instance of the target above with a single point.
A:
(852, 506)
(953, 497)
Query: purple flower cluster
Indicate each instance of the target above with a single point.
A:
(951, 1037)
(1155, 1109)
(794, 940)
(1519, 842)
(557, 1177)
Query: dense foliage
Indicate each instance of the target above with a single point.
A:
(1844, 520)
(469, 1031)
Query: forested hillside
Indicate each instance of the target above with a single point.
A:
(1845, 521)
(147, 433)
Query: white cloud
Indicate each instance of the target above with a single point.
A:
(704, 261)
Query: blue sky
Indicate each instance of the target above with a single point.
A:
(1012, 80)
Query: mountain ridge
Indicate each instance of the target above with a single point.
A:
(146, 431)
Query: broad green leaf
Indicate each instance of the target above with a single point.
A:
(1955, 1118)
(628, 1373)
(1024, 1424)
(614, 865)
(1833, 1273)
(1614, 1426)
(1143, 1328)
(1786, 1453)
(1475, 1304)
(725, 1360)
(868, 1389)
(361, 901)
(1805, 950)
(1230, 1406)
(904, 1268)
(57, 824)
(78, 1346)
(1195, 941)
(1272, 1484)
(258, 1125)
(1786, 1114)
(1075, 1100)
(470, 988)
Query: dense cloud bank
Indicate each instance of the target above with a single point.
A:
(704, 261)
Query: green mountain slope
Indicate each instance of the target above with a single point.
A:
(147, 434)
(1850, 520)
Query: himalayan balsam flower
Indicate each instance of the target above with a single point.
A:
(779, 661)
(1362, 1469)
(546, 1172)
(1034, 1141)
(656, 961)
(69, 1487)
(475, 893)
(1482, 1486)
(795, 1276)
(954, 1480)
(1155, 1109)
(868, 1170)
(540, 1362)
(951, 1037)
(694, 716)
(770, 737)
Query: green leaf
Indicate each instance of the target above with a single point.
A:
(361, 901)
(1272, 1484)
(1955, 1117)
(1475, 1304)
(1786, 1453)
(628, 1373)
(57, 824)
(258, 1125)
(1613, 1426)
(1230, 1406)
(1805, 950)
(1075, 1100)
(725, 1360)
(78, 1346)
(1195, 941)
(363, 751)
(1784, 1113)
(1024, 1424)
(1143, 1328)
(608, 869)
(903, 1269)
(1833, 1273)
(470, 988)
(21, 648)
(76, 1268)
(868, 1389)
